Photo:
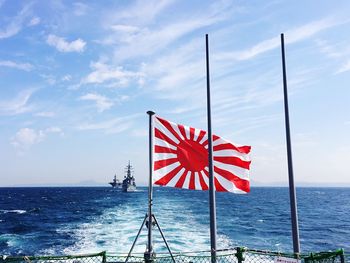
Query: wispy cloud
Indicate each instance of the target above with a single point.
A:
(17, 105)
(17, 23)
(104, 73)
(292, 36)
(140, 12)
(141, 36)
(49, 78)
(16, 65)
(46, 114)
(345, 67)
(125, 28)
(64, 46)
(248, 124)
(66, 78)
(328, 49)
(176, 74)
(147, 42)
(102, 103)
(339, 52)
(181, 73)
(54, 129)
(26, 137)
(115, 125)
(34, 21)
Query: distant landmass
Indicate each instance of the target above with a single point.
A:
(92, 183)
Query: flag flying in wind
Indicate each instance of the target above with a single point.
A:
(181, 159)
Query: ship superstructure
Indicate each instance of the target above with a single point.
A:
(115, 183)
(129, 184)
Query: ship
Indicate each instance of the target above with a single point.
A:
(115, 183)
(129, 184)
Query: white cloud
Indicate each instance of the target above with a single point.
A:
(105, 73)
(27, 137)
(102, 103)
(34, 21)
(64, 46)
(16, 65)
(344, 68)
(53, 130)
(17, 105)
(50, 79)
(67, 77)
(124, 98)
(125, 28)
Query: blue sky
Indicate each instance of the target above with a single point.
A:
(76, 80)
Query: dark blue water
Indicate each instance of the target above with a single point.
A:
(80, 220)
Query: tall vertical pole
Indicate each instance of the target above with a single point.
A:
(149, 252)
(292, 194)
(210, 162)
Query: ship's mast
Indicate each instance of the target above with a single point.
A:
(128, 172)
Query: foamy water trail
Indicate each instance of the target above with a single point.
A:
(16, 211)
(116, 229)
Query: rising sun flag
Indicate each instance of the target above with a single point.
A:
(181, 159)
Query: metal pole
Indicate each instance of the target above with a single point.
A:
(292, 193)
(137, 236)
(166, 243)
(149, 252)
(210, 162)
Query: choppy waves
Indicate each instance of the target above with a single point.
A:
(86, 220)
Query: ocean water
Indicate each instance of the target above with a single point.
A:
(36, 221)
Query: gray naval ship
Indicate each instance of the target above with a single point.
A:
(128, 184)
(115, 183)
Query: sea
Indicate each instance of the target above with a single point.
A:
(78, 220)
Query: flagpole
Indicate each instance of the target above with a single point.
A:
(292, 192)
(210, 162)
(149, 252)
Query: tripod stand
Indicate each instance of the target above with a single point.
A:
(149, 254)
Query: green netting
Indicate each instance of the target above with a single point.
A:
(234, 255)
(88, 258)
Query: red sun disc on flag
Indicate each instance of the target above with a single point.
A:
(192, 155)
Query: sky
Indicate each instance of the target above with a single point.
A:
(76, 80)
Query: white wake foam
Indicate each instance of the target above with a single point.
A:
(116, 229)
(17, 211)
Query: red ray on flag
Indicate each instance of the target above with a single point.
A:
(181, 159)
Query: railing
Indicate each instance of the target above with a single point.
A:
(234, 255)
